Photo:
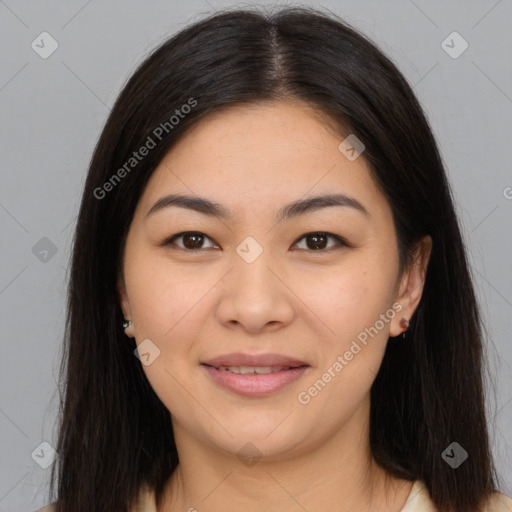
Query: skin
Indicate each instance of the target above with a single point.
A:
(291, 300)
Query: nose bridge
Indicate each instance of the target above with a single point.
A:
(250, 250)
(252, 262)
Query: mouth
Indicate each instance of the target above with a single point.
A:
(254, 381)
(254, 370)
(246, 361)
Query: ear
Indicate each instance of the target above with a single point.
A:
(411, 284)
(125, 305)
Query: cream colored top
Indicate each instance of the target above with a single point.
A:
(417, 501)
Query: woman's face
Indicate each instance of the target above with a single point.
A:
(249, 282)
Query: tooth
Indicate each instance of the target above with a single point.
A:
(259, 370)
(263, 369)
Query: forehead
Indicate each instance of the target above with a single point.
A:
(249, 156)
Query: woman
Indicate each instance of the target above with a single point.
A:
(267, 287)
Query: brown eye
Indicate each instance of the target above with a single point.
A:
(318, 241)
(315, 242)
(191, 240)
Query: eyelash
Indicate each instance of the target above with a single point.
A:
(340, 241)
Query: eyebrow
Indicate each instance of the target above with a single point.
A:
(300, 207)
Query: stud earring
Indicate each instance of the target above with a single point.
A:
(127, 323)
(404, 324)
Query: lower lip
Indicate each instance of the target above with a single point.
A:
(255, 385)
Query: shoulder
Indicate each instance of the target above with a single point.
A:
(47, 508)
(499, 502)
(145, 502)
(419, 501)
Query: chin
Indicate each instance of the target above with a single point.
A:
(251, 440)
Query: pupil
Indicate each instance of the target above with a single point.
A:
(193, 245)
(315, 243)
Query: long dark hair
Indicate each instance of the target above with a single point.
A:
(114, 432)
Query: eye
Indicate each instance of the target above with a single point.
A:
(192, 240)
(315, 241)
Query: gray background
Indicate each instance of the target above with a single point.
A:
(52, 111)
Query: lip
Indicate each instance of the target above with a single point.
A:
(255, 385)
(241, 359)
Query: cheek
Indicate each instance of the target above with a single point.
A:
(160, 295)
(350, 356)
(352, 307)
(342, 299)
(168, 308)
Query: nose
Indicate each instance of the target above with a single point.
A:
(256, 297)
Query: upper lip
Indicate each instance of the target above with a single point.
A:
(241, 359)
